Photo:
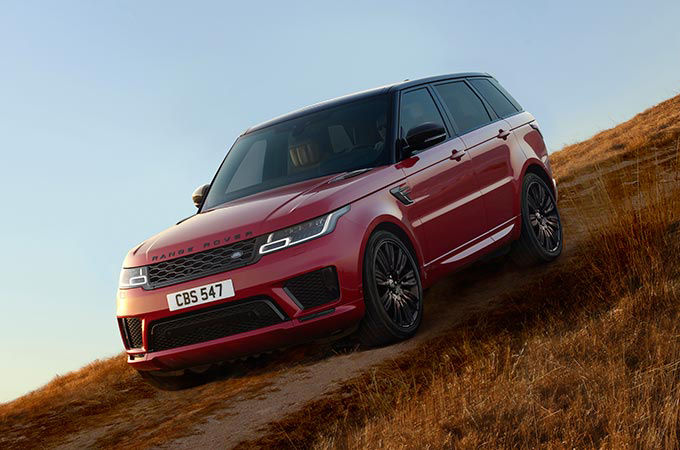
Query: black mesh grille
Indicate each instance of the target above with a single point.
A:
(219, 322)
(197, 265)
(314, 288)
(132, 330)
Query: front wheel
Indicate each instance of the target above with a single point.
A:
(392, 291)
(541, 237)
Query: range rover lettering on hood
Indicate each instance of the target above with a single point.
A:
(206, 245)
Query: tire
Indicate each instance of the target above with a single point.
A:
(541, 238)
(174, 381)
(393, 292)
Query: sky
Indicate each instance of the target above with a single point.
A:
(111, 113)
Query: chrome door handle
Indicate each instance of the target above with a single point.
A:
(503, 134)
(457, 154)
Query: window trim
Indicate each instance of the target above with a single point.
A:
(492, 114)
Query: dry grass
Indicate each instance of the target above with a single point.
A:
(106, 404)
(586, 356)
(70, 402)
(653, 129)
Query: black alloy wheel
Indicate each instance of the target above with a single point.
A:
(541, 238)
(395, 279)
(543, 217)
(393, 292)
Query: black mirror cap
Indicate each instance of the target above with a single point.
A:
(425, 136)
(199, 194)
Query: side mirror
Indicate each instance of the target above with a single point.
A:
(424, 136)
(198, 194)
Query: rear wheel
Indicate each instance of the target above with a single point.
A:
(392, 291)
(176, 380)
(541, 238)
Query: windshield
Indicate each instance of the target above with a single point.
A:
(334, 140)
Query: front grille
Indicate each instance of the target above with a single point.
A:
(314, 288)
(197, 265)
(132, 331)
(215, 323)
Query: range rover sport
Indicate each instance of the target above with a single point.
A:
(339, 215)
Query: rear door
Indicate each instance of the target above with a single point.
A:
(488, 142)
(446, 211)
(523, 125)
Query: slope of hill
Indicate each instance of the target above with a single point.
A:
(583, 353)
(656, 128)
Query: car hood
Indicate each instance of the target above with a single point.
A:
(259, 214)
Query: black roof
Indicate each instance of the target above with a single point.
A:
(361, 95)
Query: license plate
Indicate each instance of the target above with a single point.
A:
(199, 295)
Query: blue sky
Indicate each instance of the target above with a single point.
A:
(112, 113)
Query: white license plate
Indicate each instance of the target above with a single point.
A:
(199, 295)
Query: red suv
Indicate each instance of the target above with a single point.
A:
(339, 215)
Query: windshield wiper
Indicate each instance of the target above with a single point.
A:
(350, 174)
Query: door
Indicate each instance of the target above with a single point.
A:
(446, 212)
(487, 141)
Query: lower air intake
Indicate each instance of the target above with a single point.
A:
(314, 288)
(132, 330)
(215, 323)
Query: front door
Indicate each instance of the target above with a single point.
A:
(446, 212)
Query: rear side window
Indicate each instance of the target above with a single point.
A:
(417, 108)
(506, 93)
(467, 110)
(498, 101)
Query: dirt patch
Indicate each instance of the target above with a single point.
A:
(447, 303)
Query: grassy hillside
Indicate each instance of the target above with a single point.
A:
(654, 129)
(586, 355)
(119, 410)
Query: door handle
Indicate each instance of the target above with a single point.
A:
(503, 134)
(457, 154)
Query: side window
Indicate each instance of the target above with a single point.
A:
(417, 108)
(494, 97)
(250, 171)
(467, 110)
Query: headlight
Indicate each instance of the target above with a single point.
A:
(302, 232)
(135, 277)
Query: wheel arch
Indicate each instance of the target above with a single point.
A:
(537, 169)
(401, 234)
(395, 226)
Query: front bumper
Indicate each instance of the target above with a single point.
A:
(266, 278)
